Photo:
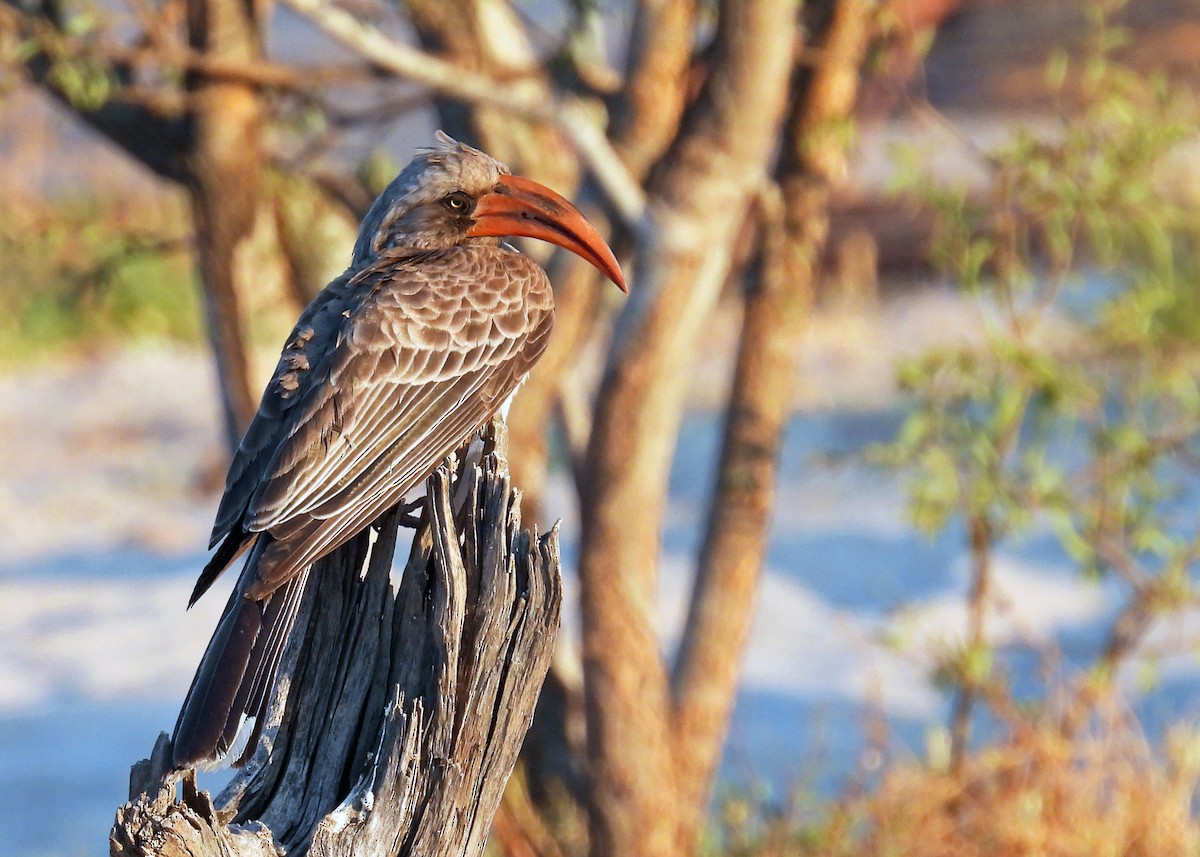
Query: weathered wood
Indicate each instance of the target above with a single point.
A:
(399, 713)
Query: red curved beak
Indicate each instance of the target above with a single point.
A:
(524, 207)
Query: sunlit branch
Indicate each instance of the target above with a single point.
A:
(565, 113)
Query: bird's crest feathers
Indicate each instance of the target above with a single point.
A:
(433, 173)
(448, 147)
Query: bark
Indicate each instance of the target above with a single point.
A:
(777, 306)
(702, 195)
(577, 302)
(225, 169)
(316, 233)
(647, 117)
(486, 36)
(398, 716)
(420, 67)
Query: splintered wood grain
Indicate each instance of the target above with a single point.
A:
(398, 714)
(162, 826)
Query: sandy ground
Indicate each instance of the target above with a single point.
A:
(108, 475)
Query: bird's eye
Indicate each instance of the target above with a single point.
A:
(457, 201)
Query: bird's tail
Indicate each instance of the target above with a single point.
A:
(229, 695)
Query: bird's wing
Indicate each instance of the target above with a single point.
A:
(422, 355)
(302, 355)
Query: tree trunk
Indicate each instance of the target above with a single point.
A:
(702, 196)
(236, 231)
(397, 717)
(777, 308)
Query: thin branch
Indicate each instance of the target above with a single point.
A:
(982, 573)
(255, 72)
(151, 130)
(380, 113)
(567, 114)
(1118, 557)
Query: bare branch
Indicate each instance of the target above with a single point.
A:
(568, 114)
(777, 308)
(154, 132)
(255, 72)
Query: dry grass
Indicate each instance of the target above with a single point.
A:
(1104, 793)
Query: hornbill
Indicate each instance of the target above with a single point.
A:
(391, 368)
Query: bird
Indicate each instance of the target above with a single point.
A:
(392, 367)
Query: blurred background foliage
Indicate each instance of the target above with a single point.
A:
(85, 274)
(1081, 409)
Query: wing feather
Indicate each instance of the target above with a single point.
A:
(306, 537)
(301, 357)
(393, 374)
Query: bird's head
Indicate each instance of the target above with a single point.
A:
(454, 194)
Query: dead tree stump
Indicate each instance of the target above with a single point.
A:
(398, 715)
